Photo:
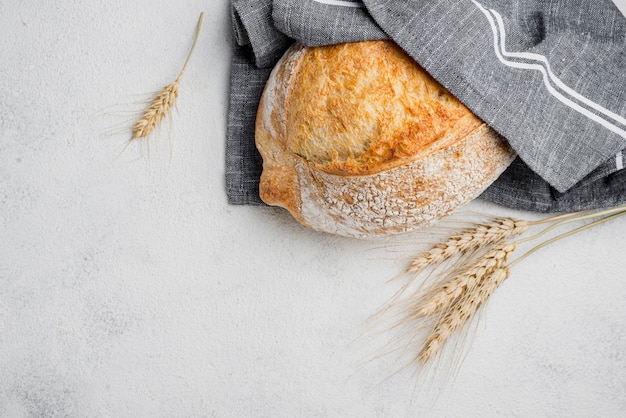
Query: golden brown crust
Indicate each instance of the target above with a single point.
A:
(357, 139)
(364, 107)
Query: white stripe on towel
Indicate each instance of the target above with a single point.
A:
(343, 3)
(497, 27)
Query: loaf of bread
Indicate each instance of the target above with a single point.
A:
(358, 140)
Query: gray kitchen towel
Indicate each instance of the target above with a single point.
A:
(549, 76)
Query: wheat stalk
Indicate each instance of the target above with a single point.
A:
(163, 102)
(456, 294)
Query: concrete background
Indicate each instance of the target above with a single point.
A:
(130, 288)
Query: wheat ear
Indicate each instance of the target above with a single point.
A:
(162, 104)
(466, 280)
(461, 312)
(473, 238)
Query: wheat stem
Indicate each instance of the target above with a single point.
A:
(558, 217)
(578, 218)
(592, 212)
(193, 45)
(569, 233)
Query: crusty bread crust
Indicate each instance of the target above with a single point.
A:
(358, 140)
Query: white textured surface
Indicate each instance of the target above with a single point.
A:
(129, 288)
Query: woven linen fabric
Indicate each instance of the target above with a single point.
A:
(549, 76)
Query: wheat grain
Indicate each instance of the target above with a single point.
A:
(162, 104)
(461, 312)
(473, 238)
